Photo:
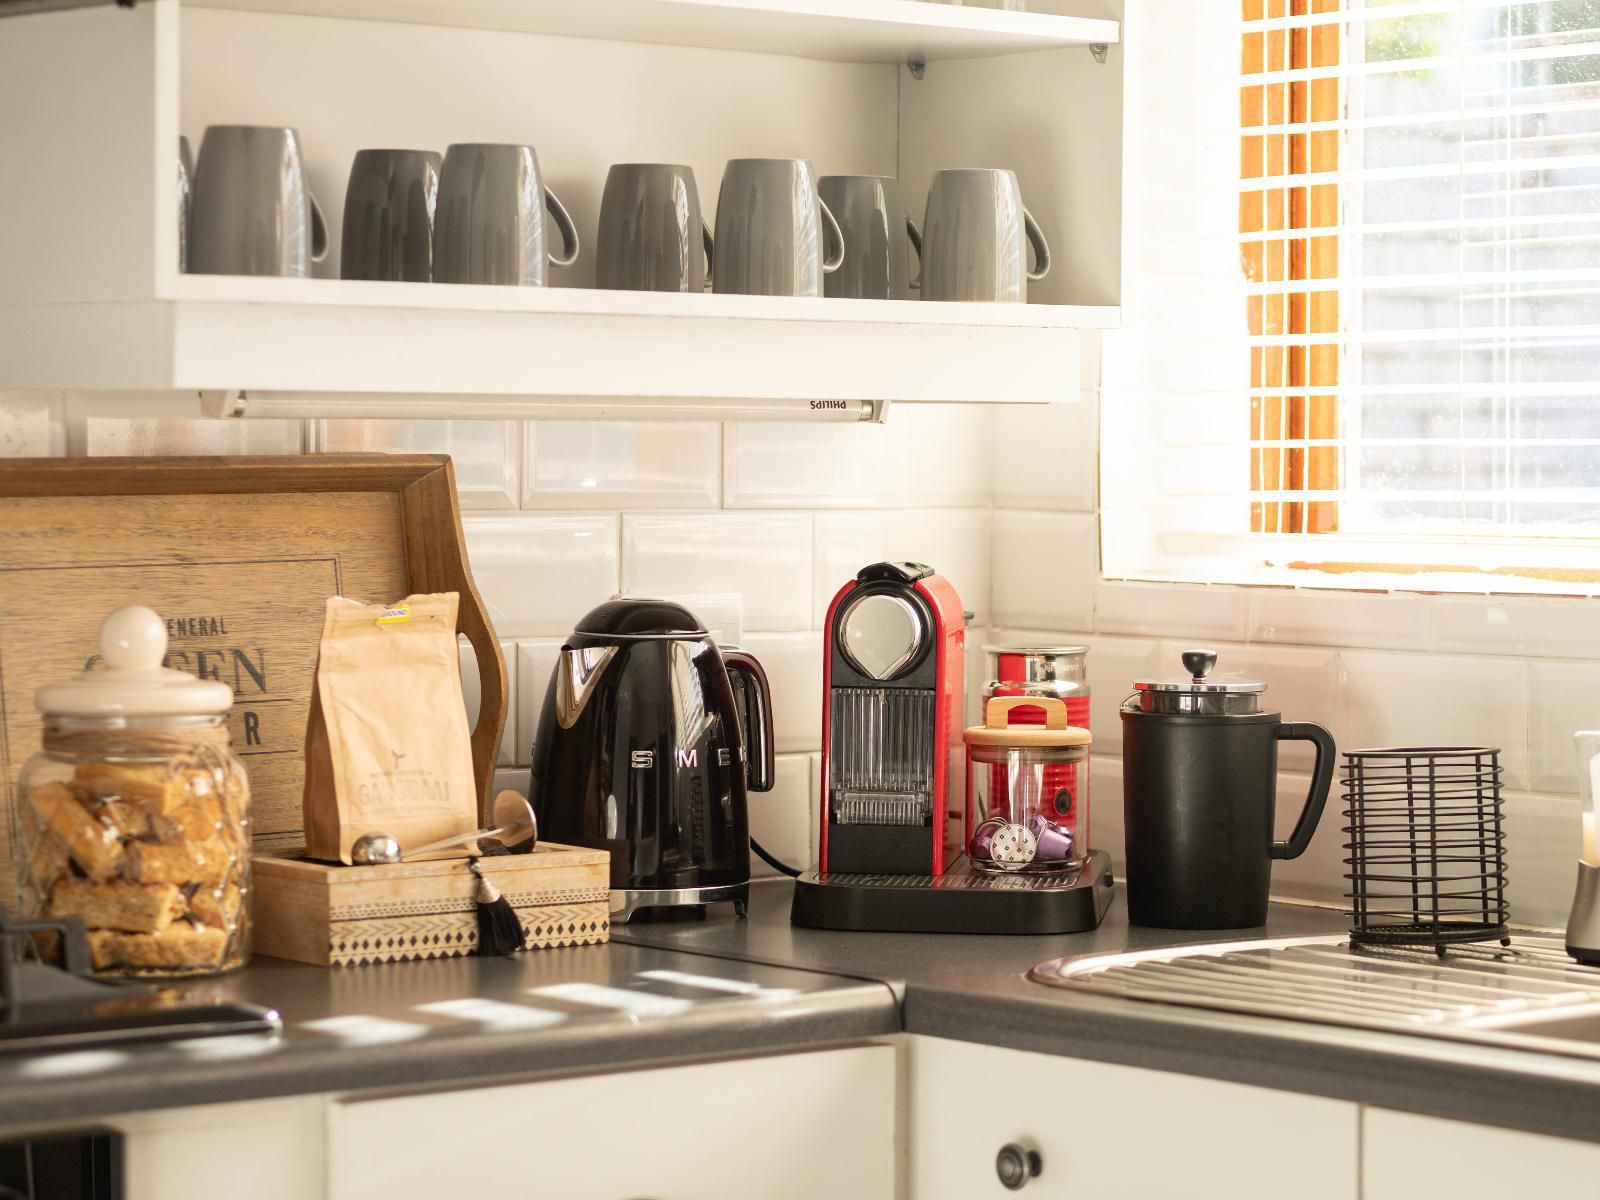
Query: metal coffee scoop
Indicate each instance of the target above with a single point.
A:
(513, 824)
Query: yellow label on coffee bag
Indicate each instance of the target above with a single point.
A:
(394, 616)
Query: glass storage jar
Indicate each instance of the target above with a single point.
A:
(135, 815)
(1027, 809)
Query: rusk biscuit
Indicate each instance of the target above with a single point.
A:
(130, 907)
(194, 862)
(216, 907)
(93, 846)
(158, 790)
(181, 945)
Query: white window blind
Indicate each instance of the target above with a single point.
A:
(1467, 337)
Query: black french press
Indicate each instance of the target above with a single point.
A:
(1199, 785)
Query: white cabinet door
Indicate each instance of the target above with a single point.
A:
(1406, 1157)
(1108, 1131)
(252, 1150)
(819, 1124)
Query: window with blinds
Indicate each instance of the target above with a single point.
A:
(1384, 352)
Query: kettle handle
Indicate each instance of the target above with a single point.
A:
(760, 767)
(1321, 781)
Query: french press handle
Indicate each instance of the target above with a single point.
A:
(1321, 781)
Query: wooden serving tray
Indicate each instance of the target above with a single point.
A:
(337, 916)
(239, 555)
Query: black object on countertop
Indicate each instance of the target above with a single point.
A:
(1199, 786)
(649, 740)
(43, 1007)
(962, 900)
(1427, 846)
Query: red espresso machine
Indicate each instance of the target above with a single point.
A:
(893, 711)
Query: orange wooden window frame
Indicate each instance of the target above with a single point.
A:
(1288, 236)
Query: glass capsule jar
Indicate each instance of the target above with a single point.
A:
(135, 814)
(1027, 789)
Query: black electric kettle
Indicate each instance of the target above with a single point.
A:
(641, 751)
(1199, 785)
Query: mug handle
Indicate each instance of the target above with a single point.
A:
(915, 235)
(569, 231)
(1041, 248)
(705, 234)
(834, 261)
(319, 230)
(1321, 780)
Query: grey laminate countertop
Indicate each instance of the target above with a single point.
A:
(974, 988)
(456, 1021)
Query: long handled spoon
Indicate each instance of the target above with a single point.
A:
(513, 824)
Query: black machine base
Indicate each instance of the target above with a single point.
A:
(962, 900)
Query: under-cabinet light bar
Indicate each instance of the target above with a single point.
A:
(398, 406)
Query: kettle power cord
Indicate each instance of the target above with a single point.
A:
(791, 872)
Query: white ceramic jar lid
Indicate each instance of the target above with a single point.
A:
(130, 680)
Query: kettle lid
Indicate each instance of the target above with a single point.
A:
(630, 616)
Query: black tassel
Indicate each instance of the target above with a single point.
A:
(499, 930)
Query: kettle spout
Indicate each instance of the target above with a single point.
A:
(577, 673)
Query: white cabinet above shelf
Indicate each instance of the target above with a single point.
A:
(832, 30)
(463, 346)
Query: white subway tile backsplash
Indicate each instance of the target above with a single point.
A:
(622, 464)
(511, 779)
(470, 691)
(1544, 837)
(1106, 826)
(538, 575)
(1433, 700)
(536, 662)
(764, 556)
(845, 542)
(1192, 613)
(1550, 626)
(780, 819)
(123, 436)
(829, 465)
(484, 453)
(946, 453)
(32, 424)
(1563, 697)
(1045, 567)
(793, 663)
(1370, 620)
(954, 542)
(1044, 455)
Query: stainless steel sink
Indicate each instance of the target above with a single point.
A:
(1528, 996)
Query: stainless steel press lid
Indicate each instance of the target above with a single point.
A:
(1199, 663)
(1198, 695)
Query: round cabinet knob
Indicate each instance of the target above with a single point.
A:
(1016, 1165)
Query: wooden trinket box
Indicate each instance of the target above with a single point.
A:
(338, 916)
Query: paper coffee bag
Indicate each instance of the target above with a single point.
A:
(387, 744)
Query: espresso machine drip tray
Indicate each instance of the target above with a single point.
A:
(962, 900)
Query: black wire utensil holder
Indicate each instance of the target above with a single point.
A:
(1426, 846)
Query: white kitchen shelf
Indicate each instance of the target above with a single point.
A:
(308, 336)
(831, 30)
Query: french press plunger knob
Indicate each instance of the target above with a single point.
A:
(1199, 663)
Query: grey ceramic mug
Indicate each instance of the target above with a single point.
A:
(652, 236)
(771, 225)
(388, 215)
(490, 223)
(975, 236)
(252, 212)
(876, 231)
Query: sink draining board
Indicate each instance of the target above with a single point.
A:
(1485, 994)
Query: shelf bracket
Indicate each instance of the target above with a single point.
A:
(1098, 51)
(224, 403)
(917, 66)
